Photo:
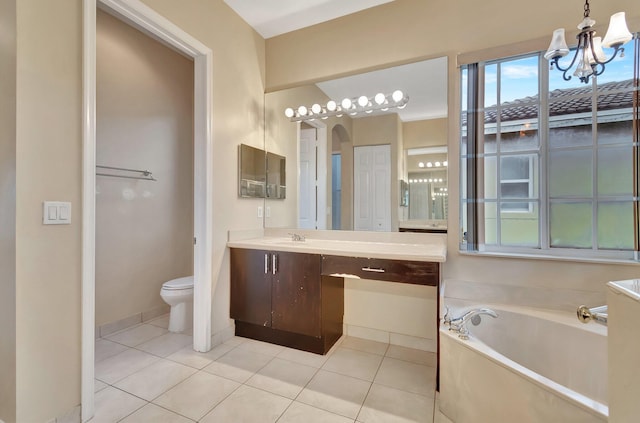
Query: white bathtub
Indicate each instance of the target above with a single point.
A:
(525, 366)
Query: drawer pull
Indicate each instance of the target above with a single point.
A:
(372, 269)
(266, 263)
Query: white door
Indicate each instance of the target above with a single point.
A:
(372, 188)
(307, 194)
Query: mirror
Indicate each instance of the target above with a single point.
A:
(276, 176)
(347, 171)
(251, 172)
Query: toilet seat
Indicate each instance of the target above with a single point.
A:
(178, 284)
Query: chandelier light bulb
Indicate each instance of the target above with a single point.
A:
(397, 95)
(288, 112)
(379, 99)
(363, 101)
(618, 32)
(346, 103)
(302, 111)
(332, 106)
(316, 108)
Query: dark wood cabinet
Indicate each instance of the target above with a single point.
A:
(283, 298)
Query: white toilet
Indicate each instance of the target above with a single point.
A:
(178, 293)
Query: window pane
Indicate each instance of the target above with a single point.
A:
(570, 173)
(570, 225)
(514, 167)
(464, 87)
(514, 190)
(490, 223)
(519, 224)
(615, 226)
(615, 171)
(563, 132)
(490, 177)
(621, 68)
(490, 139)
(490, 85)
(611, 132)
(519, 80)
(520, 138)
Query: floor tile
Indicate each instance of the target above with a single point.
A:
(197, 395)
(152, 413)
(389, 405)
(106, 349)
(248, 405)
(235, 341)
(353, 363)
(122, 365)
(282, 377)
(303, 357)
(262, 347)
(112, 404)
(161, 322)
(198, 360)
(166, 344)
(99, 385)
(299, 412)
(238, 364)
(336, 393)
(366, 345)
(407, 376)
(137, 335)
(426, 358)
(155, 379)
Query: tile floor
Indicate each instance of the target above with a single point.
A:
(146, 374)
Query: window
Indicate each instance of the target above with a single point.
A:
(546, 164)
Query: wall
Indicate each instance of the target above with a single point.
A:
(48, 167)
(144, 230)
(8, 210)
(425, 133)
(410, 30)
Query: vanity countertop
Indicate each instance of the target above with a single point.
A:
(396, 246)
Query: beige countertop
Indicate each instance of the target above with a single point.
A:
(393, 246)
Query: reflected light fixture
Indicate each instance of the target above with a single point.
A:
(351, 106)
(589, 54)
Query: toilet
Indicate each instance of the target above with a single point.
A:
(178, 293)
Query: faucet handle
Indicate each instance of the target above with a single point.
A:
(446, 319)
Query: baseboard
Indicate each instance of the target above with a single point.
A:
(135, 319)
(415, 342)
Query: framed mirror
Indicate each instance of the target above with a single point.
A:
(332, 158)
(251, 171)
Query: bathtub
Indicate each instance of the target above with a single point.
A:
(525, 366)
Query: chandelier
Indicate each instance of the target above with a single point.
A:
(589, 53)
(348, 106)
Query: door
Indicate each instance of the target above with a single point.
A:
(307, 194)
(251, 286)
(296, 293)
(372, 188)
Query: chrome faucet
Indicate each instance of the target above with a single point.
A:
(459, 324)
(297, 237)
(597, 314)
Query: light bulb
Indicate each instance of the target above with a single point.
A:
(421, 164)
(316, 108)
(332, 106)
(288, 112)
(363, 101)
(419, 180)
(430, 180)
(346, 103)
(445, 163)
(437, 164)
(379, 98)
(429, 164)
(302, 111)
(397, 95)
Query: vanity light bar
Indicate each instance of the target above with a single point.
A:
(348, 106)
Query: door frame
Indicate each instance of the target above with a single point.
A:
(142, 17)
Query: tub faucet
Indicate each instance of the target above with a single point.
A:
(459, 324)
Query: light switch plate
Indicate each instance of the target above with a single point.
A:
(56, 213)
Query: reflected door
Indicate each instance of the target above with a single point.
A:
(307, 196)
(372, 188)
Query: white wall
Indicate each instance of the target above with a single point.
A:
(144, 229)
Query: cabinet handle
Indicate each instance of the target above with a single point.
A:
(372, 269)
(274, 264)
(266, 263)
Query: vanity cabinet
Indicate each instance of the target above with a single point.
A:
(283, 298)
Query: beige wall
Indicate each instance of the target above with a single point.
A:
(144, 230)
(416, 30)
(48, 167)
(8, 210)
(425, 133)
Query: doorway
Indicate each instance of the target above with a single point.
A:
(140, 16)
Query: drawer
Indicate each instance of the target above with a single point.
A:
(414, 272)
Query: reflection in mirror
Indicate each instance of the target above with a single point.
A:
(348, 168)
(251, 171)
(276, 176)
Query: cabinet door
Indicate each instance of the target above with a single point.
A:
(250, 286)
(296, 293)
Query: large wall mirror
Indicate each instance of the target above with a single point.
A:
(384, 170)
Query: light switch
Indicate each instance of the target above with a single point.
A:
(267, 212)
(56, 213)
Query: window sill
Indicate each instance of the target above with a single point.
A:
(532, 256)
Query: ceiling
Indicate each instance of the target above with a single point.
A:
(274, 17)
(424, 82)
